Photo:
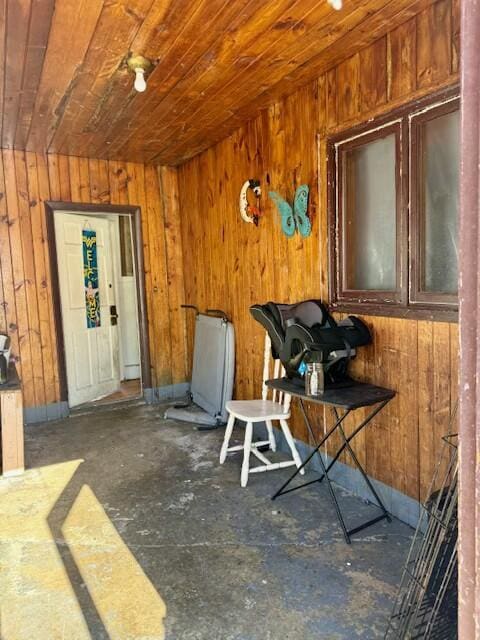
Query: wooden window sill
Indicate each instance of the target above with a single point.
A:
(412, 312)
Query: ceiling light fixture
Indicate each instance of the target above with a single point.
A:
(140, 84)
(140, 66)
(336, 4)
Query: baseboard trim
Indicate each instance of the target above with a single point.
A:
(397, 503)
(156, 395)
(46, 412)
(59, 410)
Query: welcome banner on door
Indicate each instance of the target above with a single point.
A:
(90, 274)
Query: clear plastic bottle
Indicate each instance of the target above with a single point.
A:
(314, 381)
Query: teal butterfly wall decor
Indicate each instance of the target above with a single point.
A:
(294, 218)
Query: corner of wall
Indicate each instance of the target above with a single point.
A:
(169, 193)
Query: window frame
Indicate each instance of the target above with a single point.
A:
(403, 303)
(418, 295)
(346, 294)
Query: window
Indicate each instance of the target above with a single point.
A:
(393, 207)
(434, 197)
(126, 251)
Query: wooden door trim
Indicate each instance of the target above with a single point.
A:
(51, 207)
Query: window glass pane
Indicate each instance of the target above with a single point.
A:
(370, 215)
(441, 173)
(126, 256)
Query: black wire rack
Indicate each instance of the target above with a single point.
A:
(426, 603)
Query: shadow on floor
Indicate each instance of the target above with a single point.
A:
(150, 513)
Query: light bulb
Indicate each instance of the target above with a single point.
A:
(336, 4)
(140, 84)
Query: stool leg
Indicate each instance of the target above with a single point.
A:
(291, 444)
(226, 439)
(247, 446)
(271, 437)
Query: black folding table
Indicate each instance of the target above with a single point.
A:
(347, 398)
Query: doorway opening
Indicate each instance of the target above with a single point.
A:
(99, 300)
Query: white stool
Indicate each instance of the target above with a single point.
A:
(264, 410)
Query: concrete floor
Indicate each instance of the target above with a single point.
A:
(125, 519)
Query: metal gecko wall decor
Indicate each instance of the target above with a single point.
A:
(294, 218)
(250, 213)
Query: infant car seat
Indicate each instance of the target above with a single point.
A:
(306, 332)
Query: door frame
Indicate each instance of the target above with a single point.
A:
(51, 207)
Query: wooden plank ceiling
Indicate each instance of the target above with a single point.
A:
(66, 88)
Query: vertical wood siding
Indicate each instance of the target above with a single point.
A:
(230, 265)
(26, 314)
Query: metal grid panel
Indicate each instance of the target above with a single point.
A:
(426, 604)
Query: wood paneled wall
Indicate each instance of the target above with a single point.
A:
(230, 265)
(29, 179)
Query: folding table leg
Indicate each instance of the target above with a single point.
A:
(307, 460)
(325, 475)
(359, 466)
(327, 468)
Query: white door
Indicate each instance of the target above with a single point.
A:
(127, 302)
(91, 354)
(129, 328)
